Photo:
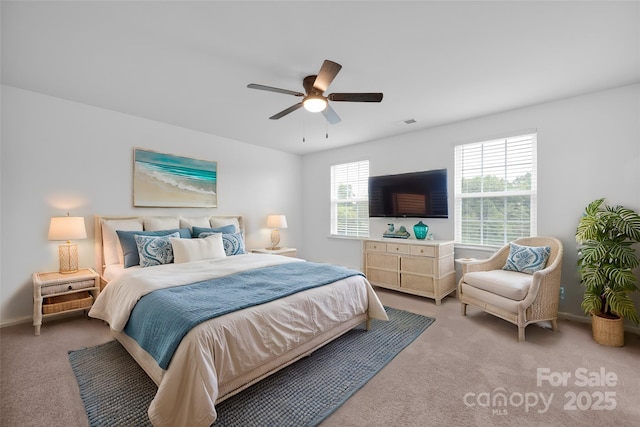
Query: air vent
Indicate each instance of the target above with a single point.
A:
(405, 122)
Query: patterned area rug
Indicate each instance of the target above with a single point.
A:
(117, 392)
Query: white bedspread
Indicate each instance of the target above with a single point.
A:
(222, 354)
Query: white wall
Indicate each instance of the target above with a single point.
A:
(588, 147)
(59, 156)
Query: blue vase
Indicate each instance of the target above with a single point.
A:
(420, 230)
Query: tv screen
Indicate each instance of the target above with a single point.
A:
(416, 194)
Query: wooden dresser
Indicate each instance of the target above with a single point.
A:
(419, 267)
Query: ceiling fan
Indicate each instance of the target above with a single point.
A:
(314, 100)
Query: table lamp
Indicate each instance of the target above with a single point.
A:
(67, 228)
(275, 222)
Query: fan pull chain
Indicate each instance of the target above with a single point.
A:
(303, 139)
(326, 135)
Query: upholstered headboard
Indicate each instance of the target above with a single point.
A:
(105, 245)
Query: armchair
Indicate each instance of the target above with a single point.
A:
(516, 297)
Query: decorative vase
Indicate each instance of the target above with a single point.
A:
(420, 230)
(607, 331)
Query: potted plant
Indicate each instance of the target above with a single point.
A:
(606, 261)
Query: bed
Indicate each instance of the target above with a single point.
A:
(222, 355)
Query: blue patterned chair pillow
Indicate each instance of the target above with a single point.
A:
(527, 259)
(233, 242)
(155, 250)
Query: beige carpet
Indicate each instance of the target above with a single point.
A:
(449, 376)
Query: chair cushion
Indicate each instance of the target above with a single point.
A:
(527, 259)
(507, 284)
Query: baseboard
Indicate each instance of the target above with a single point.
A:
(29, 319)
(586, 319)
(17, 321)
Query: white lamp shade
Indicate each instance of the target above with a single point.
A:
(276, 221)
(67, 228)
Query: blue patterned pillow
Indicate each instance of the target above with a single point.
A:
(155, 250)
(130, 247)
(527, 259)
(196, 231)
(233, 243)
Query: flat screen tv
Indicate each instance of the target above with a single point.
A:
(416, 194)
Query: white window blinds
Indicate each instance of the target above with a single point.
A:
(350, 199)
(496, 191)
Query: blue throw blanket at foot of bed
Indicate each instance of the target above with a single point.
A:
(162, 318)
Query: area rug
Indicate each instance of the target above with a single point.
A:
(117, 392)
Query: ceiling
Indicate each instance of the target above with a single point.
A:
(189, 63)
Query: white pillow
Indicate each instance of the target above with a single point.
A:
(157, 224)
(186, 250)
(189, 223)
(112, 250)
(217, 222)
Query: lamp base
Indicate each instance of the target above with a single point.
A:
(275, 239)
(68, 254)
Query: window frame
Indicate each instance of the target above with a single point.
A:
(483, 162)
(355, 174)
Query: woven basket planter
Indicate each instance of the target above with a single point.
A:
(608, 331)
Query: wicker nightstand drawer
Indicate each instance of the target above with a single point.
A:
(66, 302)
(66, 287)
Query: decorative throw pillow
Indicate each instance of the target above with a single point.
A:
(161, 223)
(527, 259)
(112, 248)
(226, 229)
(186, 250)
(217, 222)
(233, 243)
(155, 250)
(130, 247)
(190, 222)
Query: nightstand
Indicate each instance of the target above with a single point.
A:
(63, 293)
(292, 252)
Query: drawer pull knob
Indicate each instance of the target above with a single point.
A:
(70, 287)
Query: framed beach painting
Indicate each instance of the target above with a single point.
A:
(167, 180)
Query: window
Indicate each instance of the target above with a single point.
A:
(350, 199)
(496, 191)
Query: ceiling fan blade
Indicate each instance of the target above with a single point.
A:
(331, 115)
(355, 97)
(327, 73)
(287, 111)
(274, 89)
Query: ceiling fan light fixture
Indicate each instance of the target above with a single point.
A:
(314, 103)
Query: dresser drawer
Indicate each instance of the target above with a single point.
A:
(394, 248)
(417, 283)
(417, 265)
(67, 287)
(375, 247)
(418, 250)
(381, 277)
(382, 261)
